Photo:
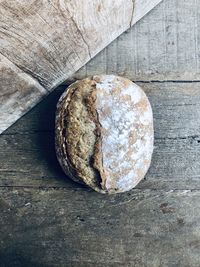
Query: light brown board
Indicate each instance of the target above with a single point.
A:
(44, 42)
(164, 45)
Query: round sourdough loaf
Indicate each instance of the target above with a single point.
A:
(104, 133)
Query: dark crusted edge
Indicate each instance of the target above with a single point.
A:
(60, 144)
(59, 138)
(97, 158)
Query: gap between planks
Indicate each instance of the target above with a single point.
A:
(67, 83)
(88, 190)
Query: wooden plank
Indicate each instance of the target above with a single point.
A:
(50, 40)
(29, 92)
(164, 45)
(27, 156)
(82, 228)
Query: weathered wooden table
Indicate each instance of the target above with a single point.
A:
(47, 220)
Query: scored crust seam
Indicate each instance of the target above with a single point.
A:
(104, 133)
(96, 162)
(60, 141)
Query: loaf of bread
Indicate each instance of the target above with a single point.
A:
(104, 133)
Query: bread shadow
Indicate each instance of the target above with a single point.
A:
(46, 138)
(19, 257)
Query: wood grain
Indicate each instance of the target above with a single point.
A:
(70, 227)
(47, 220)
(164, 45)
(27, 149)
(47, 41)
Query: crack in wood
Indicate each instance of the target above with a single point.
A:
(77, 28)
(69, 81)
(166, 81)
(193, 137)
(29, 73)
(82, 36)
(86, 189)
(34, 76)
(132, 12)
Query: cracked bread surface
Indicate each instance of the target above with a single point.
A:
(77, 134)
(104, 133)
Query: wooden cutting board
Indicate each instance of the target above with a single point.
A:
(43, 42)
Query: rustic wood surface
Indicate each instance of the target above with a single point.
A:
(75, 227)
(165, 45)
(176, 163)
(43, 42)
(47, 220)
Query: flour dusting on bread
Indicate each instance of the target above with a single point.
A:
(104, 133)
(127, 131)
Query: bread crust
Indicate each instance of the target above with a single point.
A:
(115, 117)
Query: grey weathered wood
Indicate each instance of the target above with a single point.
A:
(27, 149)
(44, 42)
(67, 224)
(16, 87)
(164, 45)
(157, 224)
(69, 227)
